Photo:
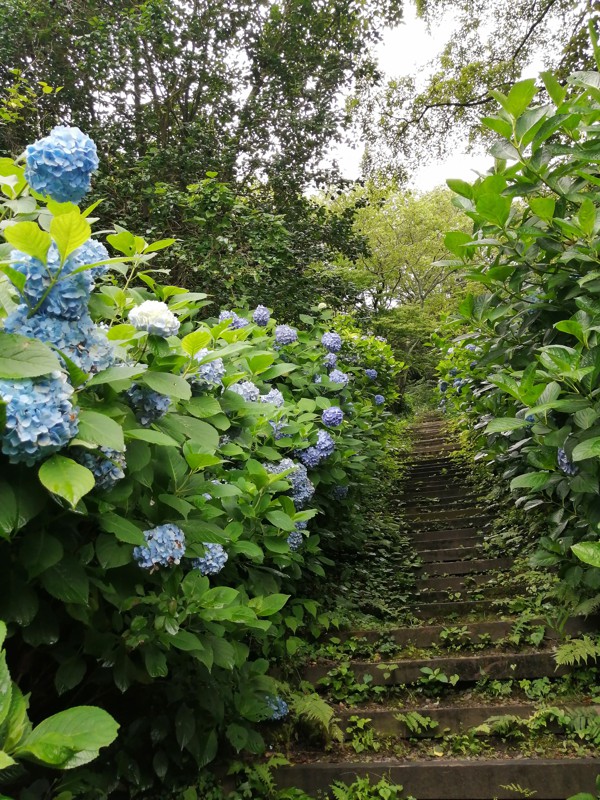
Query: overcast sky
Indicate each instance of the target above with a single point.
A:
(405, 50)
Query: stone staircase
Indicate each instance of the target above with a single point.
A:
(461, 594)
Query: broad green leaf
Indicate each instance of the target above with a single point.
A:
(269, 605)
(152, 436)
(519, 97)
(588, 552)
(167, 384)
(117, 375)
(530, 480)
(100, 430)
(587, 216)
(69, 231)
(460, 187)
(590, 448)
(543, 207)
(5, 686)
(494, 208)
(505, 424)
(196, 341)
(124, 529)
(555, 90)
(67, 581)
(30, 238)
(66, 478)
(25, 358)
(8, 509)
(281, 520)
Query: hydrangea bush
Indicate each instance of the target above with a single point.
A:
(164, 482)
(525, 367)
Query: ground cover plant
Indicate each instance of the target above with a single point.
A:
(524, 368)
(162, 482)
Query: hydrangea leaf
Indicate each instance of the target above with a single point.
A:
(66, 478)
(69, 231)
(588, 552)
(195, 341)
(29, 238)
(99, 429)
(171, 385)
(25, 358)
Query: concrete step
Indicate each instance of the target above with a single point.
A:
(460, 521)
(446, 495)
(454, 583)
(452, 610)
(454, 779)
(448, 554)
(466, 566)
(481, 592)
(448, 534)
(469, 669)
(439, 514)
(462, 544)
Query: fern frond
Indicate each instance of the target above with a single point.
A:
(587, 607)
(577, 651)
(314, 709)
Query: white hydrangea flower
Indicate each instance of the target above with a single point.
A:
(154, 317)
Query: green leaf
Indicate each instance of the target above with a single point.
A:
(168, 384)
(587, 216)
(116, 375)
(100, 430)
(281, 520)
(69, 231)
(5, 686)
(30, 238)
(66, 478)
(519, 97)
(152, 436)
(588, 552)
(460, 187)
(555, 90)
(124, 529)
(530, 480)
(25, 358)
(67, 581)
(494, 208)
(590, 448)
(8, 509)
(505, 424)
(196, 341)
(543, 207)
(269, 605)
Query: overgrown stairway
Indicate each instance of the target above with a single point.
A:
(446, 706)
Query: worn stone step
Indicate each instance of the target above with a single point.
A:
(446, 495)
(447, 534)
(448, 554)
(455, 583)
(453, 610)
(466, 566)
(454, 779)
(434, 545)
(420, 524)
(428, 505)
(481, 592)
(438, 514)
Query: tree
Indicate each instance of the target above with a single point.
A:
(404, 232)
(410, 119)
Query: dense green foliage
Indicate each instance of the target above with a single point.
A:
(180, 658)
(526, 372)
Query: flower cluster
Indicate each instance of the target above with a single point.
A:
(285, 334)
(330, 360)
(295, 540)
(273, 396)
(332, 342)
(165, 546)
(261, 316)
(443, 386)
(379, 399)
(147, 405)
(278, 707)
(213, 560)
(108, 466)
(371, 374)
(247, 390)
(332, 416)
(155, 318)
(312, 456)
(235, 321)
(40, 417)
(61, 164)
(302, 488)
(564, 464)
(337, 376)
(340, 492)
(210, 375)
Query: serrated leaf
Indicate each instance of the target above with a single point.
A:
(29, 238)
(25, 358)
(69, 231)
(66, 478)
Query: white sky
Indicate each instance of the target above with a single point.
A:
(405, 50)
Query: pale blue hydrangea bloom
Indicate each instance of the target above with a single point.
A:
(40, 417)
(155, 317)
(318, 378)
(379, 399)
(261, 316)
(295, 541)
(247, 390)
(274, 396)
(285, 334)
(332, 416)
(564, 464)
(236, 321)
(371, 374)
(107, 465)
(165, 546)
(302, 488)
(332, 341)
(61, 165)
(337, 376)
(472, 348)
(80, 340)
(324, 447)
(330, 360)
(211, 374)
(147, 405)
(278, 707)
(213, 561)
(91, 252)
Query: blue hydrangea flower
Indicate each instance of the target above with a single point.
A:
(332, 416)
(564, 464)
(278, 707)
(302, 488)
(453, 372)
(247, 390)
(318, 378)
(332, 341)
(337, 376)
(295, 540)
(371, 374)
(324, 447)
(285, 334)
(340, 492)
(213, 561)
(211, 374)
(236, 322)
(379, 399)
(278, 429)
(261, 316)
(443, 386)
(473, 364)
(61, 165)
(325, 443)
(91, 252)
(147, 405)
(165, 546)
(274, 396)
(472, 348)
(107, 465)
(330, 360)
(40, 417)
(154, 317)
